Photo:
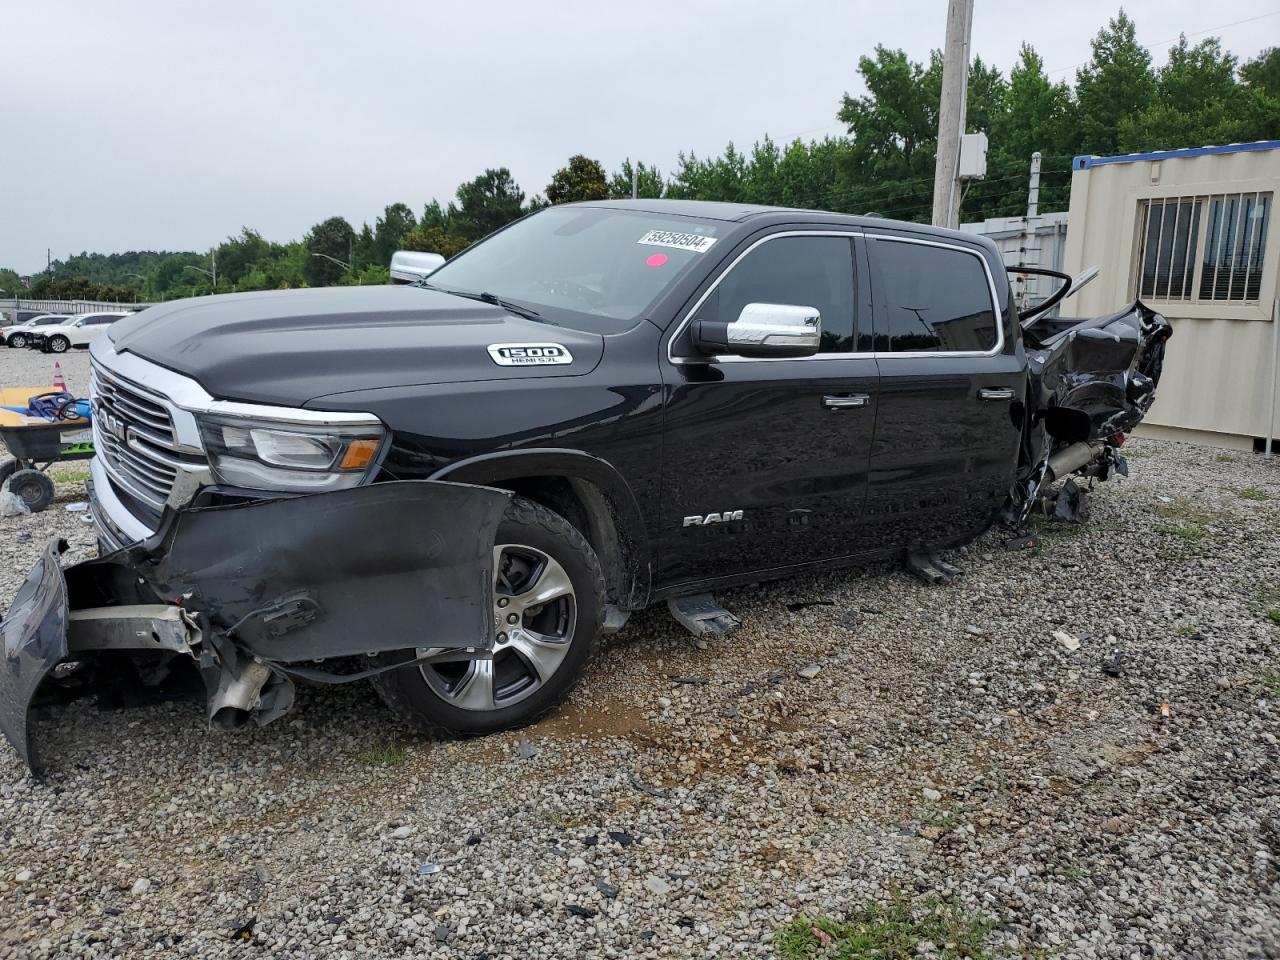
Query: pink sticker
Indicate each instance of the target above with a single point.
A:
(657, 260)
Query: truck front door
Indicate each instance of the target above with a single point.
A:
(952, 382)
(765, 461)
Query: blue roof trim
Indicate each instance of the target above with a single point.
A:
(1085, 162)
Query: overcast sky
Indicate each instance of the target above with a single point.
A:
(167, 126)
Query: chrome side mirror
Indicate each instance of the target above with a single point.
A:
(409, 266)
(762, 330)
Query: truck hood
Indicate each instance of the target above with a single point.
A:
(289, 347)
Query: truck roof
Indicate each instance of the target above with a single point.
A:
(744, 212)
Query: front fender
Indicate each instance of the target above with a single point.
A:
(575, 466)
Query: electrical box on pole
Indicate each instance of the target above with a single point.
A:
(973, 157)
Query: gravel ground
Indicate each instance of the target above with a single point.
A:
(1118, 800)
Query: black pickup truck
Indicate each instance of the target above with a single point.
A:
(454, 487)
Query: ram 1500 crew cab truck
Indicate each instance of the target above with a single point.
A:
(453, 487)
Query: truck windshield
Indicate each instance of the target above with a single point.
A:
(593, 269)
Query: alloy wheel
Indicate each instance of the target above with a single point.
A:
(534, 615)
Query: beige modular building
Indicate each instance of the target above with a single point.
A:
(1192, 234)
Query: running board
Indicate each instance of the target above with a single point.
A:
(702, 616)
(929, 568)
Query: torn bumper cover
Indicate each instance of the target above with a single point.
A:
(253, 590)
(1091, 381)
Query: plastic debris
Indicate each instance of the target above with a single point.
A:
(657, 885)
(580, 911)
(401, 833)
(427, 869)
(932, 795)
(1066, 640)
(245, 930)
(525, 749)
(12, 505)
(621, 837)
(78, 507)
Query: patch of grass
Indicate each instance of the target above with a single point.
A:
(1190, 531)
(1184, 511)
(561, 821)
(385, 753)
(944, 821)
(1225, 458)
(1250, 493)
(888, 931)
(1185, 630)
(71, 476)
(1074, 871)
(1271, 682)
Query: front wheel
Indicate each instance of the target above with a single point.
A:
(548, 610)
(17, 341)
(57, 344)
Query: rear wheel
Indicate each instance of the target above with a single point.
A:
(548, 609)
(57, 344)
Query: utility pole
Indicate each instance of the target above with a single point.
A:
(951, 109)
(1033, 188)
(635, 180)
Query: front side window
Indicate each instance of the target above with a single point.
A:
(1202, 249)
(932, 299)
(800, 271)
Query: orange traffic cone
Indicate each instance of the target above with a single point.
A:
(59, 381)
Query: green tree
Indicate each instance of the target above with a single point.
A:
(328, 241)
(485, 204)
(1263, 71)
(582, 179)
(389, 232)
(1113, 90)
(1198, 100)
(649, 182)
(434, 239)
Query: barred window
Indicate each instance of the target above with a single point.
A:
(1202, 249)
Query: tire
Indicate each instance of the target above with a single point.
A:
(7, 469)
(57, 344)
(536, 548)
(17, 341)
(33, 488)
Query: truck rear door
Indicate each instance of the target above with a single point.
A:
(952, 382)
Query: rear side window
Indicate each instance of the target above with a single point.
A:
(932, 299)
(801, 271)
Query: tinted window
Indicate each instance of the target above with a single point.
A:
(931, 298)
(803, 271)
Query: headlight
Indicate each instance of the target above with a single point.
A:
(264, 455)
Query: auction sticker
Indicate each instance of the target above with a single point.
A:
(681, 241)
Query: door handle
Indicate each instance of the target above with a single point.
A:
(995, 393)
(847, 401)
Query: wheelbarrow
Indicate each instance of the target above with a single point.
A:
(36, 442)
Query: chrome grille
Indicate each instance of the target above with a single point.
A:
(133, 433)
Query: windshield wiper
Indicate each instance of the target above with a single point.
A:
(509, 305)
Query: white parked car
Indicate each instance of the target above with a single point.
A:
(17, 335)
(77, 331)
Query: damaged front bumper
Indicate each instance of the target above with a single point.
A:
(255, 592)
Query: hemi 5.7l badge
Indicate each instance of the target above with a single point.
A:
(528, 354)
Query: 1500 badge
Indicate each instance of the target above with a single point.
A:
(528, 354)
